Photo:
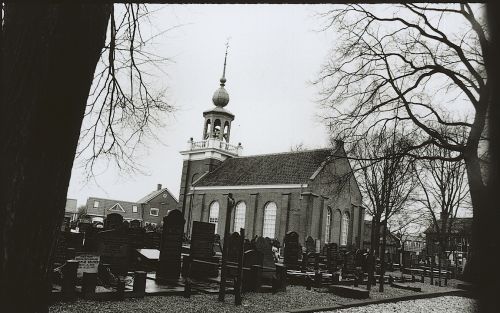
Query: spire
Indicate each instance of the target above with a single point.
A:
(223, 79)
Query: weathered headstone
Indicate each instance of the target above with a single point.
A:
(87, 263)
(310, 245)
(113, 221)
(202, 239)
(113, 247)
(60, 254)
(169, 265)
(264, 246)
(292, 250)
(152, 240)
(202, 248)
(233, 242)
(251, 258)
(331, 257)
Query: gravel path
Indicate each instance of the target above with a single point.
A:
(295, 297)
(448, 304)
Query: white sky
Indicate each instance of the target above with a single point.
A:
(274, 51)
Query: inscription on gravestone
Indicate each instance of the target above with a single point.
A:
(331, 256)
(114, 250)
(87, 263)
(169, 266)
(233, 251)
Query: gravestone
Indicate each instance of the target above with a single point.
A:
(331, 256)
(202, 240)
(310, 245)
(113, 247)
(251, 258)
(61, 250)
(202, 248)
(136, 237)
(152, 240)
(87, 263)
(169, 265)
(292, 250)
(233, 251)
(113, 221)
(263, 245)
(349, 262)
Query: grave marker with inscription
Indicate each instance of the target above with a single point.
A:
(113, 221)
(310, 245)
(113, 247)
(202, 248)
(169, 265)
(263, 245)
(292, 250)
(87, 263)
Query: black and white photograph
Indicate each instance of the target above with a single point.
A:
(270, 157)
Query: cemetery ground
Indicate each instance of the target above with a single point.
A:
(295, 297)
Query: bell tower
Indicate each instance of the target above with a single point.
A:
(204, 155)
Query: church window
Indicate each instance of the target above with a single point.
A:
(328, 224)
(213, 216)
(268, 229)
(239, 216)
(344, 229)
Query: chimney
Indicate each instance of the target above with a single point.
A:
(159, 187)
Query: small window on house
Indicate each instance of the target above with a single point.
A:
(154, 212)
(134, 208)
(153, 224)
(96, 204)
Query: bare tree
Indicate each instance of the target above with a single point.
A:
(444, 191)
(49, 55)
(386, 179)
(414, 64)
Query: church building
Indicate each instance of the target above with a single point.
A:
(311, 192)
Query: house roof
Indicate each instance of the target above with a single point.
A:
(150, 196)
(268, 169)
(460, 225)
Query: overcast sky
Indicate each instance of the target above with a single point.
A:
(275, 50)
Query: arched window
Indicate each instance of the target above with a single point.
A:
(213, 216)
(269, 226)
(217, 128)
(226, 131)
(208, 129)
(239, 216)
(328, 224)
(344, 229)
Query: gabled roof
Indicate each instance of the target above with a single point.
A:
(460, 225)
(150, 196)
(268, 169)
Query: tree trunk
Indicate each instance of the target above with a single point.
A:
(49, 54)
(382, 257)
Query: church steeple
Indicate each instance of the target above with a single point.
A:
(218, 119)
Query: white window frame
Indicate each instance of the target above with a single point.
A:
(151, 212)
(96, 204)
(269, 222)
(134, 209)
(328, 226)
(239, 216)
(213, 214)
(344, 229)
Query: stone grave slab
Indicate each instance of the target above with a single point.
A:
(292, 250)
(113, 247)
(169, 266)
(310, 245)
